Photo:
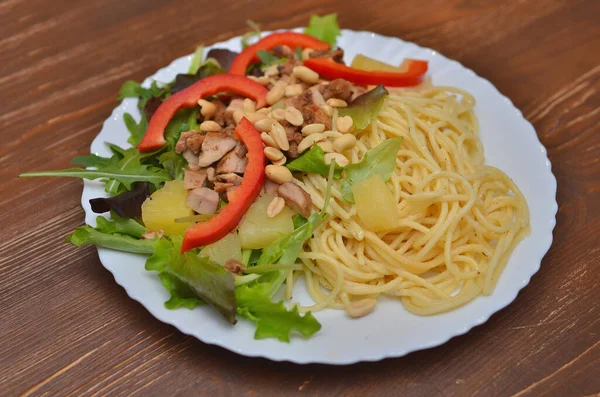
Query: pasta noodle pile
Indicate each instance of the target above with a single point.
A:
(458, 219)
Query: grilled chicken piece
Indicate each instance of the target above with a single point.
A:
(221, 187)
(193, 179)
(337, 55)
(191, 140)
(339, 88)
(191, 158)
(296, 198)
(211, 174)
(232, 162)
(215, 146)
(203, 200)
(230, 177)
(270, 187)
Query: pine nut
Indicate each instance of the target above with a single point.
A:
(210, 126)
(305, 74)
(343, 143)
(260, 80)
(278, 173)
(207, 109)
(361, 307)
(249, 105)
(327, 146)
(281, 161)
(273, 154)
(237, 115)
(293, 116)
(263, 125)
(293, 90)
(275, 207)
(317, 97)
(268, 140)
(314, 128)
(328, 110)
(306, 53)
(344, 124)
(309, 141)
(279, 136)
(271, 71)
(336, 103)
(264, 110)
(340, 159)
(276, 93)
(278, 114)
(253, 117)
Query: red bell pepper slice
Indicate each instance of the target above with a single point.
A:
(415, 69)
(154, 138)
(292, 39)
(216, 228)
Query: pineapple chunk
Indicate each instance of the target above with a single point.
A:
(258, 231)
(160, 210)
(229, 247)
(364, 62)
(375, 204)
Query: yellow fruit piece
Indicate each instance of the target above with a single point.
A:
(375, 204)
(229, 247)
(257, 230)
(160, 210)
(364, 62)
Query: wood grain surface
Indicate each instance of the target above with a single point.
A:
(66, 328)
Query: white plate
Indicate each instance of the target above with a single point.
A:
(510, 143)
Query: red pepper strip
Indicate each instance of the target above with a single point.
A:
(332, 70)
(292, 39)
(154, 138)
(216, 228)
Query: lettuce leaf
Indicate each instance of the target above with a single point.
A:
(119, 224)
(313, 161)
(196, 61)
(365, 107)
(87, 235)
(324, 28)
(273, 320)
(181, 294)
(380, 160)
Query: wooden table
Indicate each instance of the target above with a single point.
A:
(67, 328)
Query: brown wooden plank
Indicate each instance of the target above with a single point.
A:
(67, 329)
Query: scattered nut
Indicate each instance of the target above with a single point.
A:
(305, 74)
(273, 154)
(293, 116)
(361, 307)
(309, 141)
(249, 105)
(253, 117)
(328, 110)
(278, 114)
(278, 173)
(279, 136)
(327, 146)
(276, 93)
(306, 53)
(207, 109)
(314, 128)
(293, 90)
(237, 115)
(275, 207)
(210, 126)
(263, 125)
(344, 124)
(336, 103)
(344, 142)
(340, 159)
(272, 71)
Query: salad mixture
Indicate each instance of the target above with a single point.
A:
(207, 188)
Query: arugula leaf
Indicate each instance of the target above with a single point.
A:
(87, 235)
(174, 163)
(254, 32)
(196, 60)
(273, 320)
(365, 107)
(118, 224)
(380, 160)
(129, 89)
(91, 160)
(324, 28)
(313, 161)
(181, 294)
(126, 171)
(267, 59)
(136, 130)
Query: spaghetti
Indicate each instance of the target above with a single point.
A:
(458, 219)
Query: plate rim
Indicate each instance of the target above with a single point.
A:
(495, 306)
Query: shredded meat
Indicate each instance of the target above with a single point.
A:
(220, 116)
(221, 187)
(296, 198)
(339, 88)
(337, 55)
(193, 179)
(311, 112)
(211, 174)
(203, 200)
(294, 137)
(232, 162)
(189, 140)
(230, 177)
(234, 266)
(215, 146)
(282, 51)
